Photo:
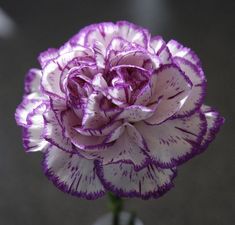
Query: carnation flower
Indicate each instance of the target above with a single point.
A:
(117, 110)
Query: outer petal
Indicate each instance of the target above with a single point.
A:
(156, 44)
(72, 174)
(103, 32)
(174, 141)
(197, 94)
(47, 55)
(133, 33)
(214, 122)
(171, 86)
(55, 134)
(32, 81)
(27, 105)
(124, 181)
(51, 80)
(33, 133)
(178, 50)
(79, 38)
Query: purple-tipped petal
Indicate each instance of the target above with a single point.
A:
(32, 81)
(172, 87)
(156, 44)
(103, 32)
(117, 44)
(57, 68)
(214, 122)
(51, 80)
(136, 57)
(124, 150)
(100, 52)
(47, 56)
(178, 50)
(174, 141)
(54, 133)
(124, 181)
(27, 105)
(197, 94)
(133, 33)
(72, 174)
(129, 147)
(33, 133)
(80, 37)
(164, 55)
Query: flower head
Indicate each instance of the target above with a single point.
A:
(115, 109)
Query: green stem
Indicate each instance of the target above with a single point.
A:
(116, 206)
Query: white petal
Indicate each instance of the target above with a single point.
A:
(124, 181)
(72, 174)
(171, 88)
(174, 141)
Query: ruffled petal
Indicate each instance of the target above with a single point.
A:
(47, 55)
(72, 174)
(135, 113)
(28, 104)
(94, 117)
(55, 134)
(164, 55)
(33, 133)
(172, 88)
(97, 142)
(51, 80)
(32, 81)
(56, 69)
(89, 142)
(178, 50)
(174, 141)
(214, 122)
(197, 94)
(105, 130)
(144, 96)
(118, 44)
(136, 57)
(156, 44)
(102, 32)
(124, 181)
(100, 53)
(133, 33)
(129, 147)
(80, 37)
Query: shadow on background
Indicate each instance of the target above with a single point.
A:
(204, 192)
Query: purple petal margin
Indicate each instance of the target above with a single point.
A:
(134, 194)
(218, 122)
(63, 187)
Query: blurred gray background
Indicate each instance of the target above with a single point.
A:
(204, 192)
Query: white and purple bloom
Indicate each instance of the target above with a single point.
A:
(115, 109)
